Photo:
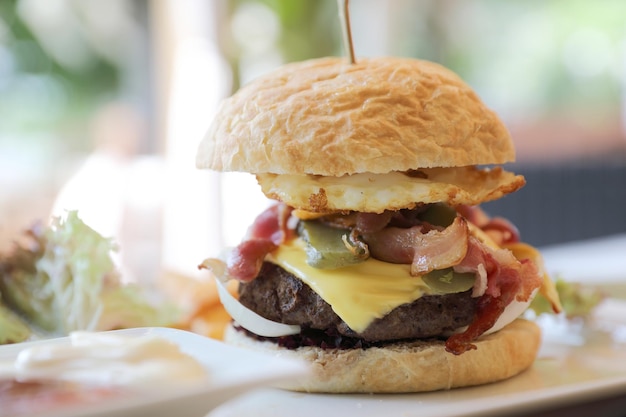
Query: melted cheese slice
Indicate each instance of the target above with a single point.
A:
(375, 193)
(361, 293)
(357, 293)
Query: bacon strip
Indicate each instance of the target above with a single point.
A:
(507, 279)
(502, 231)
(426, 250)
(371, 222)
(268, 231)
(271, 224)
(499, 229)
(245, 261)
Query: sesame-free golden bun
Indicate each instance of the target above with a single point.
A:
(384, 134)
(331, 118)
(408, 366)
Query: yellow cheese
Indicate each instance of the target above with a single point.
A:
(357, 293)
(361, 293)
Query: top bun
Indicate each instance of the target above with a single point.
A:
(329, 117)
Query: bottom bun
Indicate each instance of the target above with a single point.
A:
(416, 366)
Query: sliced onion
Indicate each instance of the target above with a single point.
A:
(480, 285)
(511, 312)
(245, 317)
(250, 320)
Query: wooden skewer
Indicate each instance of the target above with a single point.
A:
(344, 17)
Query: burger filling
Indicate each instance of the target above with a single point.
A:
(428, 271)
(279, 296)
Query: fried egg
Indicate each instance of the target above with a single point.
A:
(375, 193)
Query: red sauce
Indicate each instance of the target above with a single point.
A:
(25, 398)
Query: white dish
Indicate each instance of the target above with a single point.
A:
(588, 261)
(232, 371)
(577, 365)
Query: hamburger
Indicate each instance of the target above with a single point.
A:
(376, 263)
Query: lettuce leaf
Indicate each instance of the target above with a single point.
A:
(116, 313)
(65, 279)
(12, 328)
(577, 299)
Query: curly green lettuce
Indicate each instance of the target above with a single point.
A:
(65, 279)
(577, 300)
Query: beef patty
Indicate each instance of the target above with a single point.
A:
(279, 296)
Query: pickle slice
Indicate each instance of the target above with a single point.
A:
(438, 214)
(446, 281)
(329, 247)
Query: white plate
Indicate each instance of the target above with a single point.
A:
(232, 371)
(588, 261)
(577, 364)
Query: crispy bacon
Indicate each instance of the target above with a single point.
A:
(371, 222)
(374, 222)
(271, 224)
(507, 279)
(268, 231)
(424, 249)
(502, 231)
(499, 229)
(473, 214)
(245, 261)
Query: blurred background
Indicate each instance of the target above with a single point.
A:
(102, 106)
